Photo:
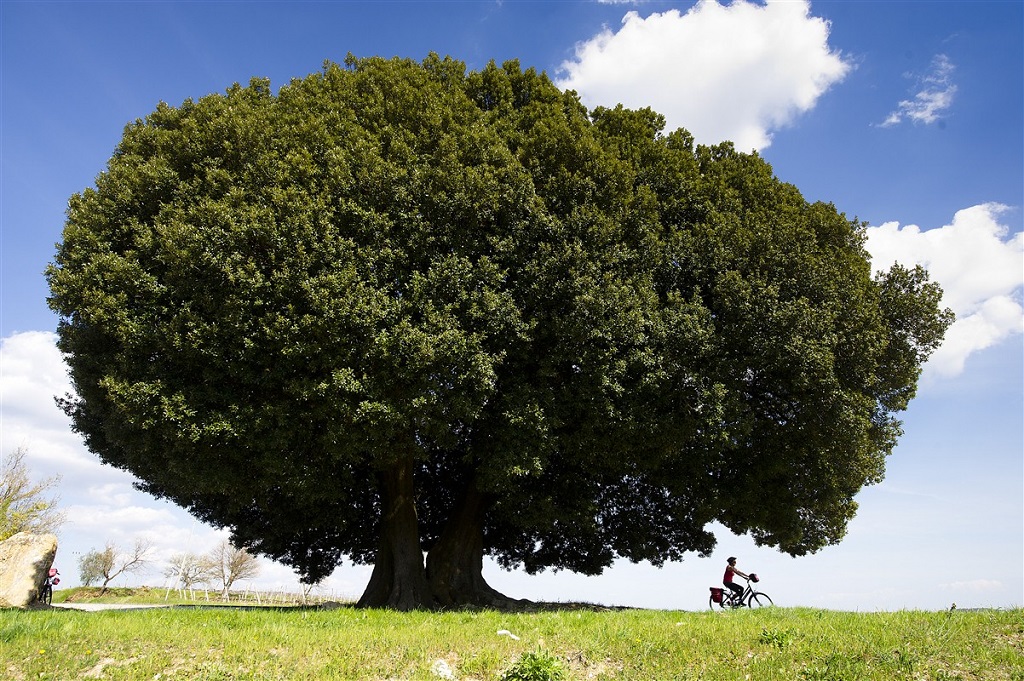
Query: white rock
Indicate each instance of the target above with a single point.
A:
(25, 560)
(441, 669)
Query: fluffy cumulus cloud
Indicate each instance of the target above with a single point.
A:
(724, 72)
(980, 267)
(935, 92)
(32, 375)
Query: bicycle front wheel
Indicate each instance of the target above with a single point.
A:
(759, 600)
(46, 595)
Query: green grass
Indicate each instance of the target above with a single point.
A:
(345, 643)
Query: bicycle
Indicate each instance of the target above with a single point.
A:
(46, 588)
(749, 598)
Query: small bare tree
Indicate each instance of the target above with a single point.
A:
(227, 564)
(24, 506)
(307, 589)
(187, 570)
(110, 563)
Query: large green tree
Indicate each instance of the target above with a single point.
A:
(398, 308)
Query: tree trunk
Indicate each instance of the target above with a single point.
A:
(399, 579)
(455, 563)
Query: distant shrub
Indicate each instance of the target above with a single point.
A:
(776, 637)
(537, 666)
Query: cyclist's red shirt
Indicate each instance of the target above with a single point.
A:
(727, 579)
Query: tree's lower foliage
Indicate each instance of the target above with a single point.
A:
(402, 314)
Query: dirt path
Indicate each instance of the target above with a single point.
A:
(94, 607)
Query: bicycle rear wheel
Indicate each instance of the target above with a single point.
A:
(712, 604)
(759, 600)
(46, 594)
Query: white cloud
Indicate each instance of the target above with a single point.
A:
(32, 375)
(733, 72)
(973, 585)
(933, 98)
(111, 493)
(980, 268)
(125, 517)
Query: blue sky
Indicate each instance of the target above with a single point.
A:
(906, 115)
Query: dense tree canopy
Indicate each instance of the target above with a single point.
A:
(401, 308)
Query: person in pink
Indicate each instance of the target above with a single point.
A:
(730, 570)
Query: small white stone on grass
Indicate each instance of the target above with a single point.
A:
(441, 669)
(506, 632)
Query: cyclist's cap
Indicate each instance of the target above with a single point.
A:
(731, 559)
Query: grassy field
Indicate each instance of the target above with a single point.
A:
(345, 643)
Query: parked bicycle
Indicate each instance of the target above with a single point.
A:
(749, 598)
(46, 588)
